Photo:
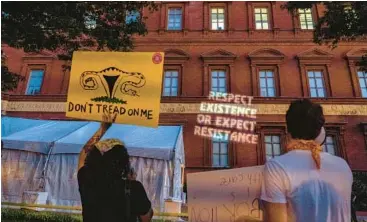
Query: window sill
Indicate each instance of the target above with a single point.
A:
(173, 31)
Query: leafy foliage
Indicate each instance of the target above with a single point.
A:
(9, 80)
(360, 190)
(15, 215)
(342, 21)
(29, 215)
(109, 100)
(66, 26)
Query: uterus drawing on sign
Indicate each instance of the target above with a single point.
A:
(112, 80)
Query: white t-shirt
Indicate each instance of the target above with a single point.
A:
(311, 195)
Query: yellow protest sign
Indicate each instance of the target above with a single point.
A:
(127, 83)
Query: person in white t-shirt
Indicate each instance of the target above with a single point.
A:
(306, 184)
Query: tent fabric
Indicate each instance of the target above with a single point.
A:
(20, 171)
(40, 138)
(10, 125)
(156, 143)
(43, 157)
(75, 141)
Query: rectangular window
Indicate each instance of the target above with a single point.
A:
(220, 153)
(272, 146)
(362, 77)
(174, 19)
(217, 18)
(132, 16)
(261, 18)
(305, 18)
(35, 82)
(316, 83)
(329, 145)
(267, 83)
(218, 83)
(170, 87)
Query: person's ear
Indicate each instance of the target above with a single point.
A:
(320, 139)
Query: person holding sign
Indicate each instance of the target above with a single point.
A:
(306, 184)
(107, 185)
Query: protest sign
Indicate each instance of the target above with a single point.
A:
(127, 83)
(225, 195)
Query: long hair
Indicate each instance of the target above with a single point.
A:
(93, 158)
(116, 162)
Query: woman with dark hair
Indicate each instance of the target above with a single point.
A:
(306, 184)
(107, 186)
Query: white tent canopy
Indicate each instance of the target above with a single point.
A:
(40, 138)
(41, 155)
(156, 143)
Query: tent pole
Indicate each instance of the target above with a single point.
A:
(46, 164)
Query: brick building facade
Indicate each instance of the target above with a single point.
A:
(248, 48)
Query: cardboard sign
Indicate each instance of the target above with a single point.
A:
(127, 83)
(225, 195)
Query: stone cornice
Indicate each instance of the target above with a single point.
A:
(184, 108)
(191, 99)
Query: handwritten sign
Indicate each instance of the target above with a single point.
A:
(126, 83)
(225, 195)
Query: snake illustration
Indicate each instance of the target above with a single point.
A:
(111, 79)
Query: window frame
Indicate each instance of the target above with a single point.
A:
(325, 77)
(297, 21)
(270, 128)
(274, 69)
(172, 6)
(30, 77)
(358, 81)
(251, 15)
(334, 144)
(179, 79)
(29, 69)
(313, 20)
(212, 153)
(337, 131)
(209, 16)
(315, 58)
(208, 154)
(216, 58)
(272, 144)
(323, 82)
(268, 17)
(219, 68)
(265, 58)
(353, 57)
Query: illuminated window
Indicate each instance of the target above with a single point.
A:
(329, 145)
(174, 19)
(35, 82)
(305, 18)
(132, 16)
(170, 83)
(267, 86)
(362, 76)
(217, 18)
(220, 153)
(261, 18)
(272, 146)
(218, 83)
(316, 84)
